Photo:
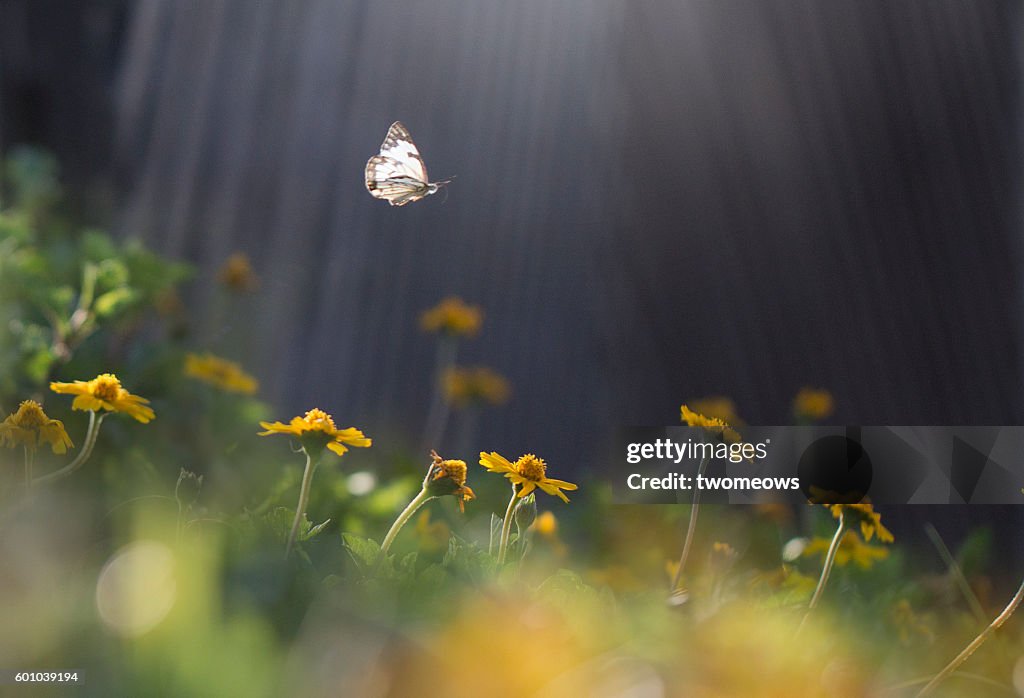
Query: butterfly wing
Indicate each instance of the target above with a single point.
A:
(398, 145)
(398, 174)
(388, 179)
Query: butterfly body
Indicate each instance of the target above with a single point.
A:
(397, 174)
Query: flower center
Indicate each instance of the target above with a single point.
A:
(30, 415)
(531, 467)
(106, 387)
(318, 420)
(455, 470)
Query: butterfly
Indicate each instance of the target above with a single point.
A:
(397, 173)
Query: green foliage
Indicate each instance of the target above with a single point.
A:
(197, 483)
(61, 286)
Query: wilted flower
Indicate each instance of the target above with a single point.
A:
(104, 392)
(221, 373)
(529, 471)
(453, 317)
(30, 426)
(448, 477)
(316, 429)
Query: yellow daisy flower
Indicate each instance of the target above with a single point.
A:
(237, 273)
(529, 471)
(464, 386)
(713, 425)
(851, 549)
(546, 525)
(453, 317)
(865, 514)
(449, 477)
(30, 426)
(104, 392)
(812, 404)
(717, 406)
(220, 373)
(317, 429)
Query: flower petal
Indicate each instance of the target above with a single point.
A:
(528, 487)
(496, 463)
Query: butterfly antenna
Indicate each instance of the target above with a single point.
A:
(446, 182)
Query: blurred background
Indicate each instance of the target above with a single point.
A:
(652, 203)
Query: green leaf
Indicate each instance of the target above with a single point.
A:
(37, 365)
(364, 551)
(465, 559)
(114, 301)
(408, 564)
(565, 588)
(311, 531)
(496, 522)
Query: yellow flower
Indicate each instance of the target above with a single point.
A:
(449, 477)
(529, 471)
(463, 386)
(713, 425)
(546, 525)
(221, 373)
(453, 317)
(851, 549)
(812, 404)
(870, 520)
(910, 624)
(30, 426)
(316, 429)
(237, 273)
(104, 392)
(717, 406)
(432, 535)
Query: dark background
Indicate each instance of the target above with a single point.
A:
(655, 201)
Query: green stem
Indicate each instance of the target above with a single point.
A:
(975, 643)
(955, 572)
(440, 410)
(29, 457)
(506, 526)
(300, 510)
(403, 518)
(826, 569)
(90, 441)
(690, 529)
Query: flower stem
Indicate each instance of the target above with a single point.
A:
(90, 441)
(826, 569)
(975, 643)
(506, 526)
(300, 510)
(403, 518)
(29, 457)
(694, 509)
(440, 410)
